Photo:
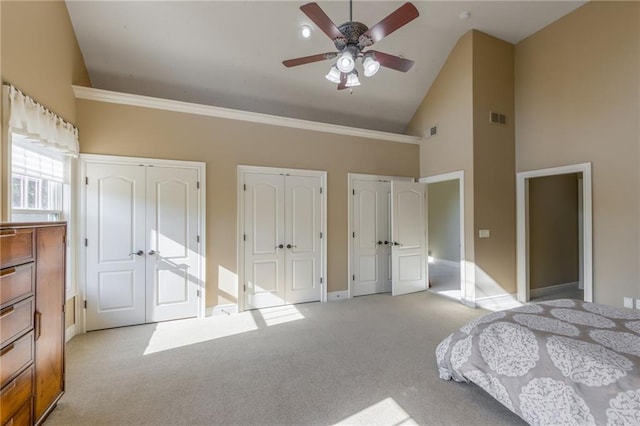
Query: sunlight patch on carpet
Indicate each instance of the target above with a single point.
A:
(280, 315)
(175, 334)
(386, 412)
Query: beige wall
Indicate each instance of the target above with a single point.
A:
(494, 166)
(577, 100)
(40, 56)
(476, 78)
(448, 103)
(444, 220)
(225, 144)
(553, 230)
(40, 53)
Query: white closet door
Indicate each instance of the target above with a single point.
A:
(408, 230)
(115, 197)
(264, 233)
(384, 236)
(366, 227)
(172, 243)
(303, 247)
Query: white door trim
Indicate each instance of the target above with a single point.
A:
(80, 207)
(350, 178)
(522, 237)
(242, 170)
(459, 176)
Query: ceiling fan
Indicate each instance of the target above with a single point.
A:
(351, 38)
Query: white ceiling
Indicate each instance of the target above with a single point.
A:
(229, 53)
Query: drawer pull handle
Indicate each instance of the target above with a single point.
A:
(38, 325)
(7, 350)
(8, 272)
(6, 311)
(8, 233)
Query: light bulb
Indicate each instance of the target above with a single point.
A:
(370, 65)
(305, 31)
(352, 79)
(333, 75)
(346, 61)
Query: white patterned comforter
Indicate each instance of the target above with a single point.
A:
(552, 363)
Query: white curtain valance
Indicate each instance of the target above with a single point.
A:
(39, 125)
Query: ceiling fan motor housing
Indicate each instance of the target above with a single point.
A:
(352, 32)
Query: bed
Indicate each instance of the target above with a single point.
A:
(556, 362)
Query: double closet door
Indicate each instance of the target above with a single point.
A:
(389, 236)
(142, 244)
(283, 238)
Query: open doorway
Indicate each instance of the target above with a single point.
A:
(445, 235)
(554, 233)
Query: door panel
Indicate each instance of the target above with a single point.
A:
(408, 230)
(366, 218)
(115, 278)
(302, 232)
(264, 231)
(384, 235)
(172, 249)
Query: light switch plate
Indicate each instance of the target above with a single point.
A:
(484, 233)
(628, 302)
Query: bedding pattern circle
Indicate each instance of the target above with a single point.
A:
(624, 409)
(546, 401)
(536, 322)
(619, 341)
(582, 318)
(508, 349)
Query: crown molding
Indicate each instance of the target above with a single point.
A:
(109, 96)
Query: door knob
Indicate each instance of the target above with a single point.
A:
(290, 246)
(395, 243)
(280, 246)
(386, 243)
(138, 253)
(379, 243)
(152, 252)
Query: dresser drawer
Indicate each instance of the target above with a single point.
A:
(22, 417)
(17, 246)
(14, 357)
(16, 282)
(16, 319)
(15, 394)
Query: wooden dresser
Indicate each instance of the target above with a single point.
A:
(32, 285)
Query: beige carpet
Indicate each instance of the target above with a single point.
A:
(369, 360)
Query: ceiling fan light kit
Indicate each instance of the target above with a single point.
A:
(350, 39)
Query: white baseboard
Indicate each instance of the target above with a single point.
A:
(498, 303)
(69, 333)
(446, 262)
(544, 291)
(228, 309)
(337, 295)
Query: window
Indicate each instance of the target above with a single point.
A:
(38, 176)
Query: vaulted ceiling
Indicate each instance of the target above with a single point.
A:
(229, 53)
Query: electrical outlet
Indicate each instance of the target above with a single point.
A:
(628, 302)
(484, 233)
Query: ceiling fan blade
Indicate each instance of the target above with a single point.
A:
(309, 59)
(394, 62)
(402, 16)
(343, 81)
(322, 21)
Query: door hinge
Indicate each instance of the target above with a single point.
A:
(85, 304)
(86, 180)
(244, 287)
(198, 293)
(86, 242)
(354, 191)
(197, 185)
(64, 239)
(321, 190)
(244, 237)
(197, 238)
(353, 234)
(320, 280)
(353, 277)
(244, 186)
(321, 235)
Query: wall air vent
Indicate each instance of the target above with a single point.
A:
(497, 118)
(431, 132)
